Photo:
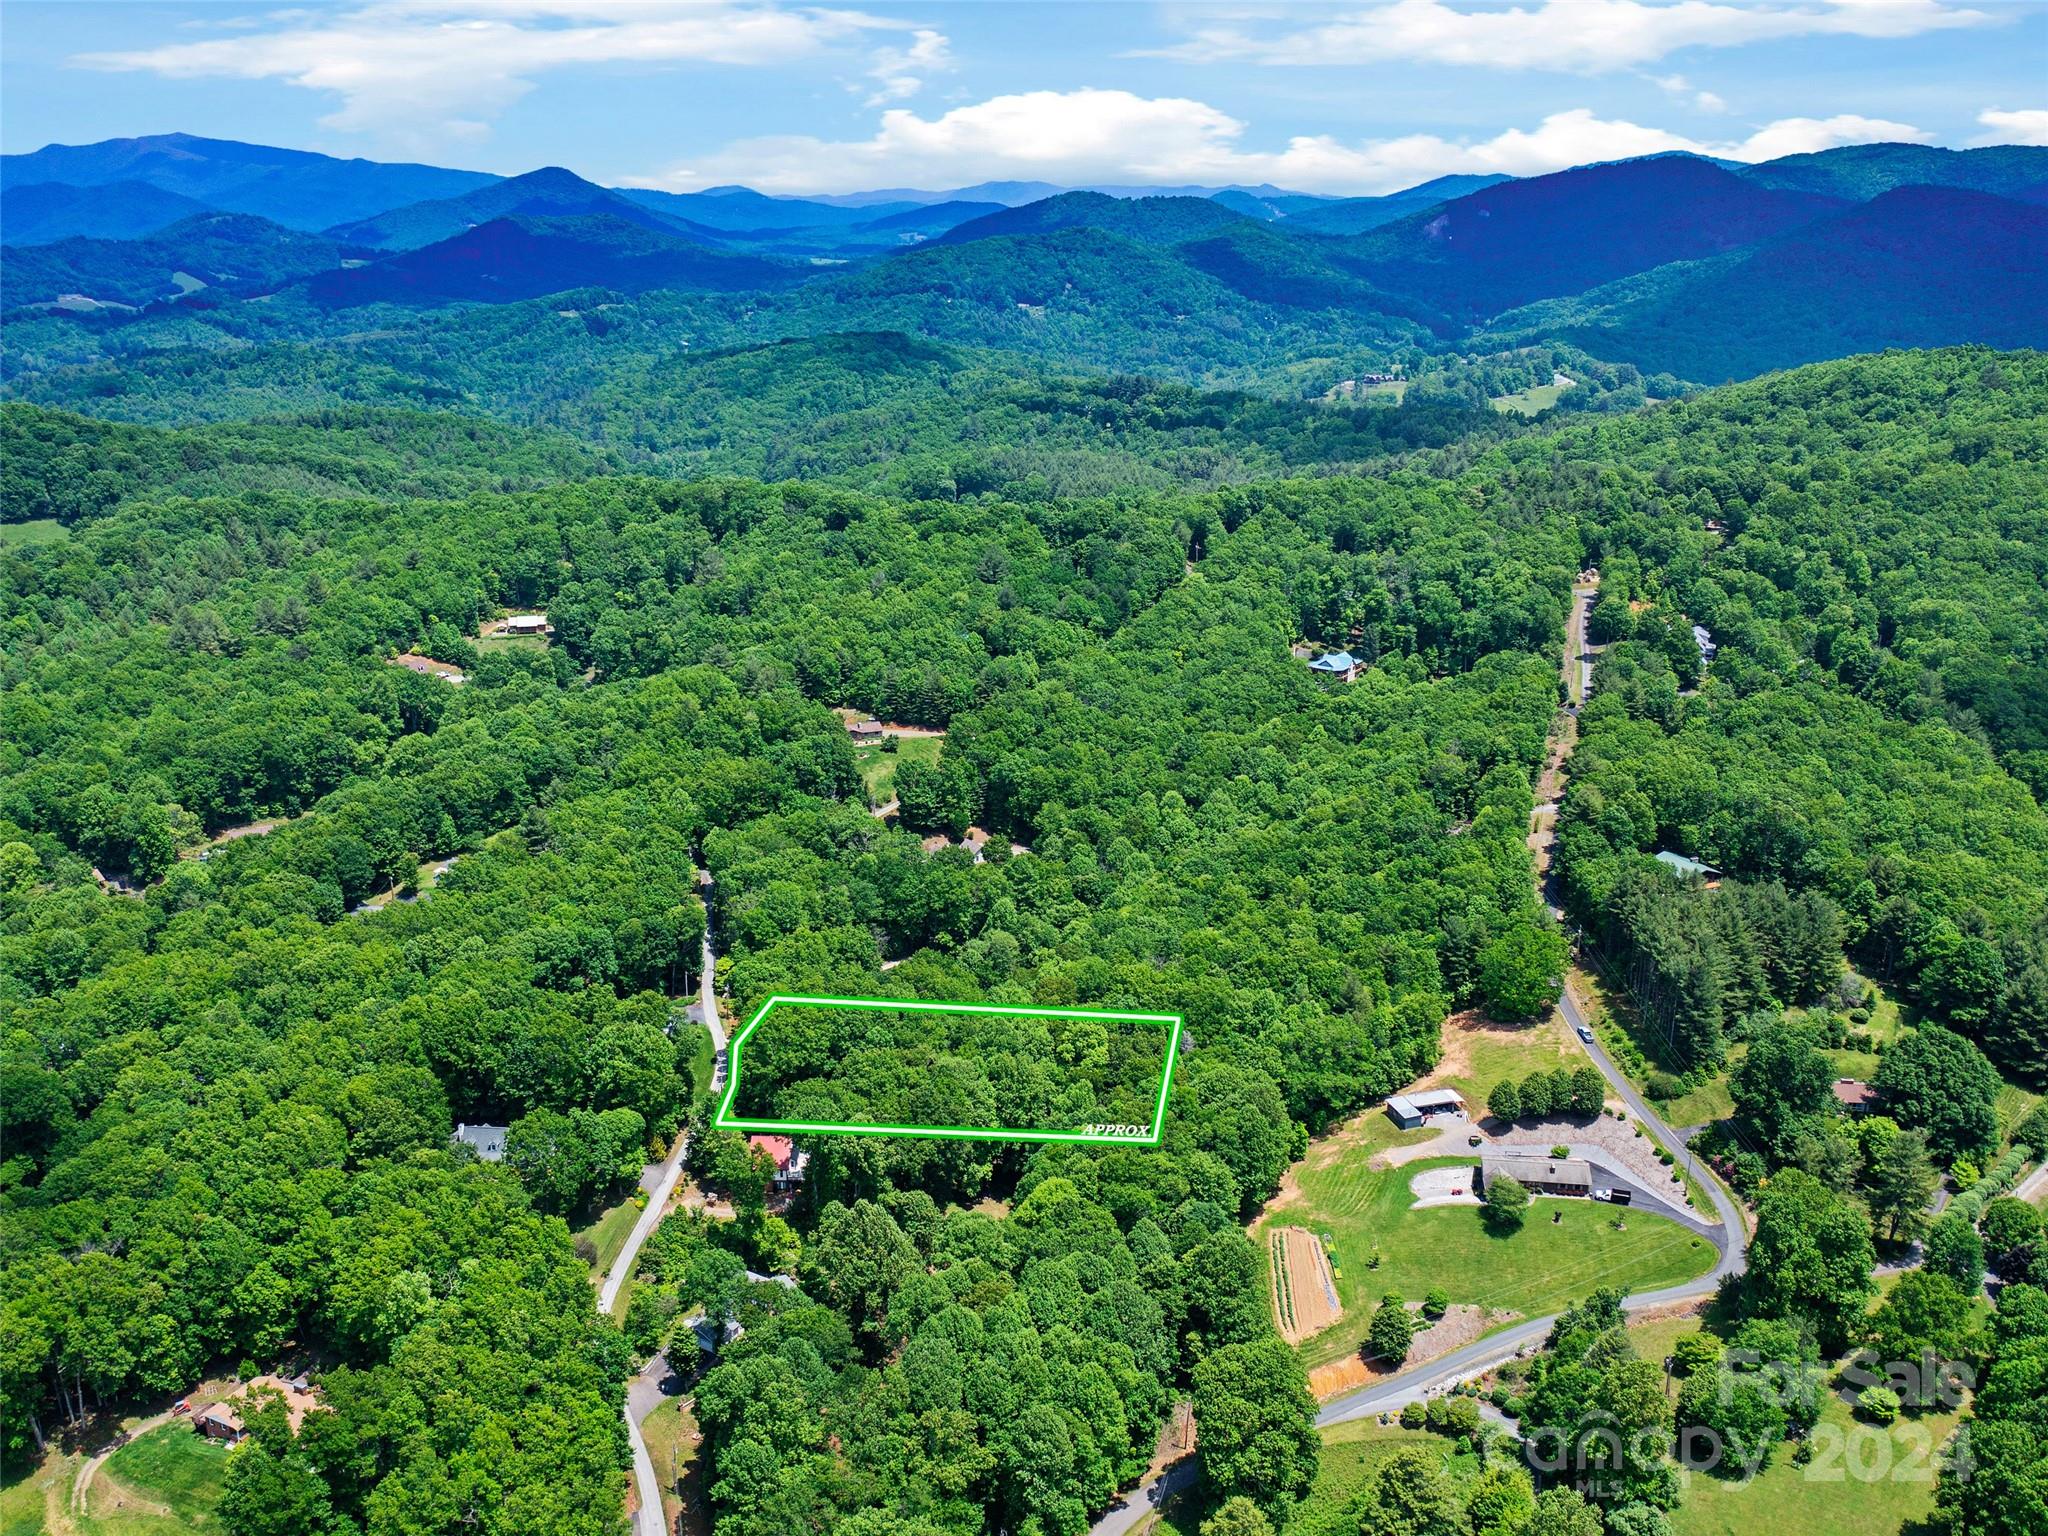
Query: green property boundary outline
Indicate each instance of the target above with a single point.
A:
(726, 1120)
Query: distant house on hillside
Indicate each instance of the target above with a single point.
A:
(487, 1141)
(789, 1162)
(1684, 868)
(1855, 1098)
(865, 731)
(526, 624)
(1409, 1110)
(1702, 638)
(1338, 664)
(1537, 1172)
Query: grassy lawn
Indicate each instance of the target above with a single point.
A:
(608, 1233)
(1479, 1054)
(37, 530)
(165, 1482)
(1528, 401)
(1352, 1452)
(697, 1048)
(175, 1472)
(486, 644)
(1862, 1479)
(21, 1501)
(1534, 1271)
(878, 768)
(672, 1444)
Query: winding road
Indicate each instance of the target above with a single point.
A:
(659, 1180)
(1475, 1359)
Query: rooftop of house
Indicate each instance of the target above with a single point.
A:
(1851, 1094)
(1336, 661)
(488, 1141)
(779, 1148)
(1536, 1167)
(1679, 864)
(1421, 1103)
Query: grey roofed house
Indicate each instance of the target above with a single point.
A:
(1704, 639)
(1684, 867)
(1336, 661)
(487, 1141)
(1537, 1170)
(1408, 1110)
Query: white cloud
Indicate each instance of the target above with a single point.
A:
(1808, 135)
(2027, 125)
(1576, 36)
(899, 73)
(418, 72)
(1104, 136)
(1681, 89)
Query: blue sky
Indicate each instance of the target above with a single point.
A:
(1341, 98)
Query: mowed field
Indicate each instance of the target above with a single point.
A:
(878, 768)
(1564, 1250)
(159, 1484)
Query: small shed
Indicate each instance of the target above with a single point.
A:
(1538, 1172)
(487, 1141)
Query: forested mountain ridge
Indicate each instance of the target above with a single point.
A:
(35, 213)
(1671, 264)
(1507, 245)
(215, 253)
(1918, 266)
(550, 192)
(297, 188)
(526, 256)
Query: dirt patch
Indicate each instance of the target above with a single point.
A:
(1176, 1439)
(1459, 1326)
(109, 1497)
(427, 666)
(1327, 1381)
(1304, 1290)
(1456, 1057)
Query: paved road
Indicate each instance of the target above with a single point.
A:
(659, 1180)
(645, 1393)
(2034, 1185)
(1734, 1254)
(1141, 1501)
